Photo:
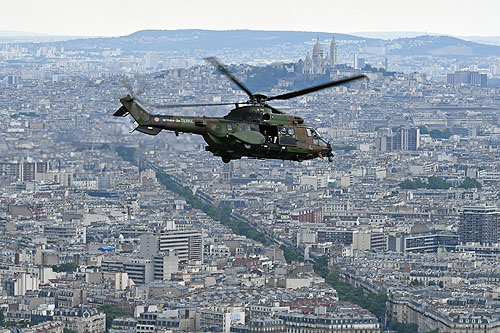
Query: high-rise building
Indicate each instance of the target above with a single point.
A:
(479, 224)
(404, 139)
(493, 69)
(355, 64)
(186, 244)
(12, 79)
(383, 142)
(26, 171)
(165, 264)
(140, 270)
(468, 77)
(151, 60)
(361, 63)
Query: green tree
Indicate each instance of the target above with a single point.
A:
(221, 213)
(438, 183)
(433, 182)
(112, 311)
(469, 183)
(408, 184)
(403, 328)
(373, 302)
(68, 267)
(127, 153)
(67, 330)
(291, 254)
(435, 133)
(416, 282)
(423, 129)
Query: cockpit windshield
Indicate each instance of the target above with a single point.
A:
(317, 138)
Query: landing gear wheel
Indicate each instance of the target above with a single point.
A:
(226, 159)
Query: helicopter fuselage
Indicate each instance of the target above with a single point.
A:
(252, 131)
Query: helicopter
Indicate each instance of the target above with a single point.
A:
(253, 128)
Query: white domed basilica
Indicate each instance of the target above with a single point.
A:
(317, 64)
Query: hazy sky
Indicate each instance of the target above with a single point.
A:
(121, 17)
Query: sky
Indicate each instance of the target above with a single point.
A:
(122, 17)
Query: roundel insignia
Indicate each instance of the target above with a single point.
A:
(156, 119)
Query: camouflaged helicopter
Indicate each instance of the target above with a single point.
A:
(253, 128)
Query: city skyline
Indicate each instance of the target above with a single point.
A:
(115, 18)
(104, 228)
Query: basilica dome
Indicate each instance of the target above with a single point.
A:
(318, 49)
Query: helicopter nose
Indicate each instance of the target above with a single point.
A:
(327, 152)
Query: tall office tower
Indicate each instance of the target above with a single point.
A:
(479, 224)
(361, 63)
(493, 69)
(383, 141)
(413, 138)
(355, 64)
(26, 171)
(151, 60)
(468, 77)
(165, 264)
(333, 53)
(188, 244)
(406, 139)
(185, 244)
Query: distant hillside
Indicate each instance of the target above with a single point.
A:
(442, 46)
(11, 36)
(174, 40)
(212, 41)
(492, 40)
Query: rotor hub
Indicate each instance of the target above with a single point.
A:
(258, 99)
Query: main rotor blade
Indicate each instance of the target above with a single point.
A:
(315, 88)
(170, 106)
(141, 90)
(274, 109)
(126, 83)
(231, 77)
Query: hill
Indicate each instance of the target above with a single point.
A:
(212, 41)
(442, 46)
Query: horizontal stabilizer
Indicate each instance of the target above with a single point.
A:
(148, 129)
(121, 112)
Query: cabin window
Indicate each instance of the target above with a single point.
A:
(229, 127)
(247, 127)
(291, 131)
(309, 132)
